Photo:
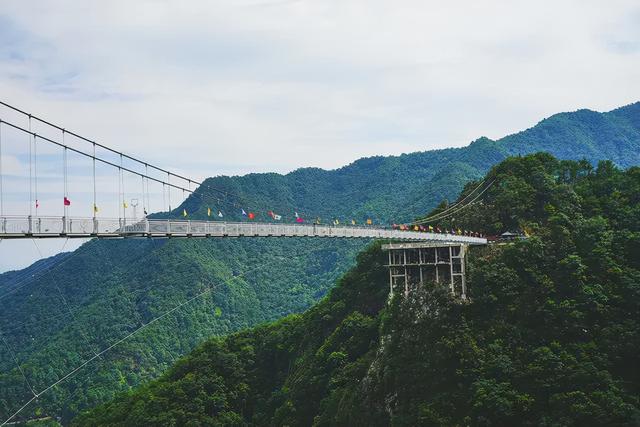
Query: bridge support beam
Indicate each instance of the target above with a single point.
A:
(413, 264)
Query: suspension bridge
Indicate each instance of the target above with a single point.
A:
(48, 174)
(32, 144)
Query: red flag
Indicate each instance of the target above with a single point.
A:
(252, 215)
(67, 202)
(299, 220)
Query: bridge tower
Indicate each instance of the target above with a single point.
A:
(412, 264)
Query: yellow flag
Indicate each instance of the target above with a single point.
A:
(208, 211)
(125, 205)
(459, 231)
(416, 228)
(369, 221)
(353, 222)
(430, 228)
(184, 212)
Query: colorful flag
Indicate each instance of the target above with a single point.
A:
(459, 231)
(37, 204)
(299, 220)
(369, 221)
(296, 214)
(220, 214)
(184, 212)
(318, 220)
(244, 213)
(252, 215)
(277, 217)
(431, 228)
(336, 222)
(416, 228)
(124, 204)
(353, 222)
(208, 211)
(67, 202)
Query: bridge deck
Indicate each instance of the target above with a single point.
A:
(43, 227)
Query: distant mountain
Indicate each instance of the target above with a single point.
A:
(106, 289)
(397, 188)
(550, 335)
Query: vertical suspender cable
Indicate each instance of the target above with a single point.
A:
(164, 201)
(169, 190)
(95, 201)
(1, 189)
(121, 186)
(30, 173)
(64, 173)
(35, 171)
(146, 190)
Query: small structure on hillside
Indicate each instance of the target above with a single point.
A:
(412, 264)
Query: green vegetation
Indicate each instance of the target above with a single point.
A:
(551, 335)
(114, 286)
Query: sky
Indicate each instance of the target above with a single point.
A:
(208, 87)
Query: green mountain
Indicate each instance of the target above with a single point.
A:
(550, 336)
(397, 188)
(62, 311)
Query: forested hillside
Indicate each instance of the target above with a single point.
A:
(112, 286)
(550, 335)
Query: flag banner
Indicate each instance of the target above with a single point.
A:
(208, 211)
(270, 213)
(431, 228)
(145, 211)
(125, 205)
(67, 202)
(353, 222)
(277, 217)
(220, 214)
(37, 204)
(184, 212)
(95, 209)
(369, 221)
(251, 215)
(318, 221)
(299, 220)
(244, 213)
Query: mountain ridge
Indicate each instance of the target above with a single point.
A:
(384, 189)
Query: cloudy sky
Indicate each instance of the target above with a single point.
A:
(228, 87)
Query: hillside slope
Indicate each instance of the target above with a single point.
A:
(550, 336)
(111, 286)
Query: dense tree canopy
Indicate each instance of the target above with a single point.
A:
(550, 335)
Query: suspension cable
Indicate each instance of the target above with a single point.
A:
(144, 326)
(439, 217)
(15, 359)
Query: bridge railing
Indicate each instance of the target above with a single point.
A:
(16, 227)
